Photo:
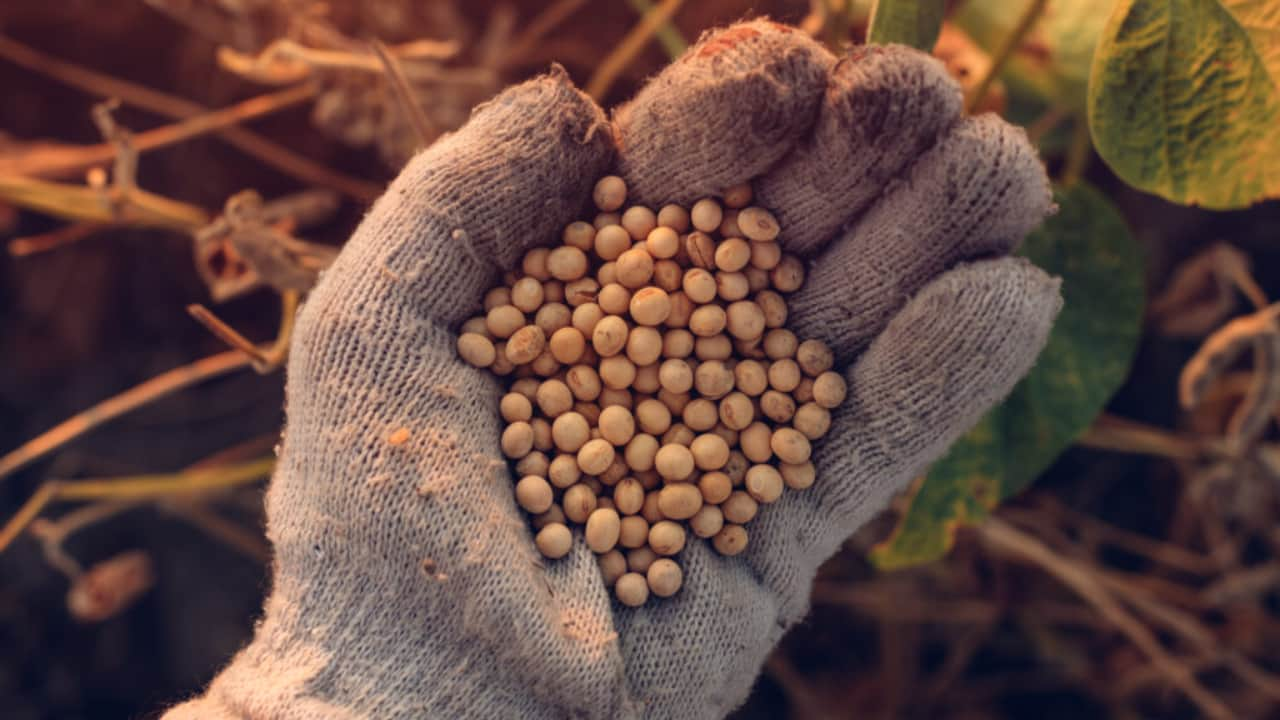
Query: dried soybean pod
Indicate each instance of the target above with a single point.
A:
(664, 577)
(731, 540)
(666, 537)
(603, 527)
(632, 589)
(554, 540)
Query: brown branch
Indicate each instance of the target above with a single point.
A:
(157, 387)
(627, 50)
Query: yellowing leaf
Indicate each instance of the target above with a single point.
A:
(1184, 99)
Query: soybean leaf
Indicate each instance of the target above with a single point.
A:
(1184, 99)
(910, 22)
(1087, 358)
(1054, 60)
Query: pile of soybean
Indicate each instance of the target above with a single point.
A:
(653, 388)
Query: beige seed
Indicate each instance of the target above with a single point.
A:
(701, 250)
(754, 442)
(632, 589)
(517, 440)
(633, 531)
(534, 265)
(617, 425)
(814, 357)
(628, 496)
(476, 349)
(713, 379)
(635, 267)
(639, 221)
(757, 279)
(774, 307)
(674, 462)
(613, 565)
(700, 414)
(650, 306)
(812, 420)
(784, 375)
(666, 537)
(554, 398)
(731, 540)
(545, 365)
(707, 320)
(829, 390)
(663, 241)
(617, 470)
(595, 456)
(646, 381)
(541, 434)
(609, 336)
(644, 345)
(617, 372)
(664, 577)
(706, 215)
(797, 477)
(563, 472)
(652, 416)
(804, 391)
(585, 318)
(567, 345)
(765, 255)
(583, 382)
(674, 217)
(678, 434)
(737, 466)
(675, 375)
(569, 432)
(715, 487)
(504, 320)
(515, 408)
(553, 292)
(567, 263)
(578, 234)
(675, 402)
(611, 241)
(744, 320)
(581, 291)
(609, 193)
(729, 224)
(552, 516)
(790, 445)
(738, 196)
(732, 286)
(475, 325)
(535, 463)
(603, 528)
(733, 254)
(605, 219)
(679, 501)
(497, 297)
(699, 285)
(639, 559)
(554, 540)
(578, 503)
(707, 522)
(739, 507)
(614, 299)
(710, 451)
(780, 344)
(667, 274)
(552, 317)
(527, 387)
(527, 294)
(615, 396)
(777, 406)
(681, 310)
(501, 365)
(788, 276)
(534, 494)
(716, 347)
(650, 511)
(758, 224)
(736, 410)
(764, 484)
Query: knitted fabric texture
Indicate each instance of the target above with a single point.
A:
(406, 582)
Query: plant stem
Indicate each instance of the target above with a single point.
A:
(626, 51)
(668, 35)
(1011, 43)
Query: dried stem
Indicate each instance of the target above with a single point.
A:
(627, 50)
(268, 151)
(1008, 541)
(264, 361)
(59, 237)
(1109, 432)
(668, 35)
(404, 94)
(157, 387)
(546, 21)
(1011, 44)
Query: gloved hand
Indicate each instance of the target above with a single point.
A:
(406, 581)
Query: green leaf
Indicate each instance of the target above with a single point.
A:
(1184, 99)
(1053, 61)
(1087, 358)
(910, 22)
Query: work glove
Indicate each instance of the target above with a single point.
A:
(406, 582)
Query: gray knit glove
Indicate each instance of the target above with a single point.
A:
(406, 581)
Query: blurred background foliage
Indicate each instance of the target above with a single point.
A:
(175, 173)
